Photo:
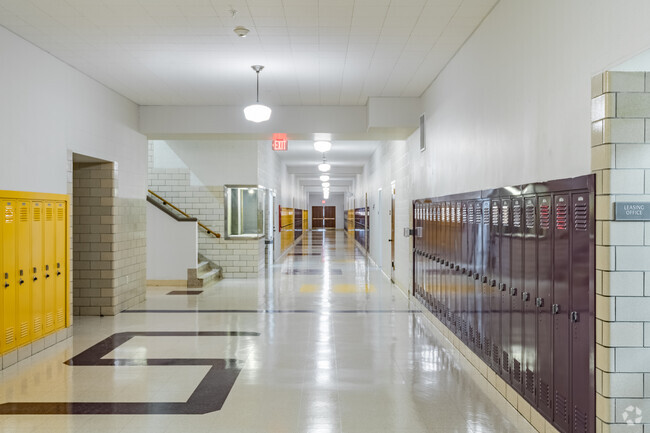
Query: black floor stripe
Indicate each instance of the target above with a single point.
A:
(209, 395)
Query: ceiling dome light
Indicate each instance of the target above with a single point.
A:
(326, 184)
(257, 112)
(322, 146)
(324, 178)
(241, 31)
(324, 167)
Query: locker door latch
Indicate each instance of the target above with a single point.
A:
(513, 291)
(493, 283)
(6, 285)
(502, 287)
(525, 296)
(539, 302)
(575, 317)
(555, 309)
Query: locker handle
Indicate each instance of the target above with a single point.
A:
(6, 285)
(464, 270)
(484, 279)
(525, 296)
(47, 275)
(513, 291)
(458, 268)
(502, 287)
(539, 302)
(21, 281)
(575, 317)
(555, 309)
(35, 278)
(476, 276)
(58, 273)
(493, 283)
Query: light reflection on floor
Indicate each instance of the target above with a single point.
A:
(340, 350)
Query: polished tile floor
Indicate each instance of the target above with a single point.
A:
(323, 343)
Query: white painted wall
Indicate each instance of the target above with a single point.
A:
(513, 106)
(47, 109)
(172, 246)
(212, 162)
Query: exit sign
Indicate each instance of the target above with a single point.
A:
(280, 142)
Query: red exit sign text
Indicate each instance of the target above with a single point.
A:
(280, 142)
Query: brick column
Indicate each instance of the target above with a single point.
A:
(621, 160)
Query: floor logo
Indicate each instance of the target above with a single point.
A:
(632, 415)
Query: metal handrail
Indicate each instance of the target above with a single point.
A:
(165, 202)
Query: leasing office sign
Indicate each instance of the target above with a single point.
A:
(633, 211)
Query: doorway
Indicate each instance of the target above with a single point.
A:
(379, 229)
(392, 231)
(323, 217)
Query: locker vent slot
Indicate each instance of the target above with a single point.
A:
(580, 216)
(516, 371)
(505, 215)
(60, 214)
(464, 214)
(447, 214)
(24, 329)
(579, 421)
(506, 361)
(516, 215)
(545, 216)
(59, 316)
(24, 214)
(49, 213)
(486, 216)
(560, 407)
(495, 355)
(470, 214)
(561, 217)
(9, 214)
(453, 214)
(36, 214)
(544, 394)
(49, 320)
(495, 214)
(10, 335)
(471, 334)
(530, 216)
(530, 381)
(38, 325)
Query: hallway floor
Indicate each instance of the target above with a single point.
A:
(323, 343)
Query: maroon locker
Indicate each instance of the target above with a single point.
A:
(529, 295)
(582, 317)
(504, 285)
(458, 281)
(434, 258)
(464, 265)
(476, 278)
(544, 304)
(486, 290)
(428, 269)
(515, 291)
(454, 283)
(560, 312)
(494, 276)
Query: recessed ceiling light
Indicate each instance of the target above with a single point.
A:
(322, 146)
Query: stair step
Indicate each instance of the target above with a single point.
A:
(203, 267)
(212, 275)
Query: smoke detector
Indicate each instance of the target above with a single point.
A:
(241, 31)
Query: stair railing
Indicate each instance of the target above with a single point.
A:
(167, 203)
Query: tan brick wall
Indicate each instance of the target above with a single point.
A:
(621, 161)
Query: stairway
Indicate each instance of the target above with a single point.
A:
(205, 273)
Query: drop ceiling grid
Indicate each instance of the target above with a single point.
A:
(316, 52)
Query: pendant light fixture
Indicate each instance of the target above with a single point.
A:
(324, 178)
(257, 112)
(322, 146)
(324, 166)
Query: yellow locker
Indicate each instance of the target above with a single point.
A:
(8, 337)
(60, 266)
(36, 271)
(49, 270)
(23, 276)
